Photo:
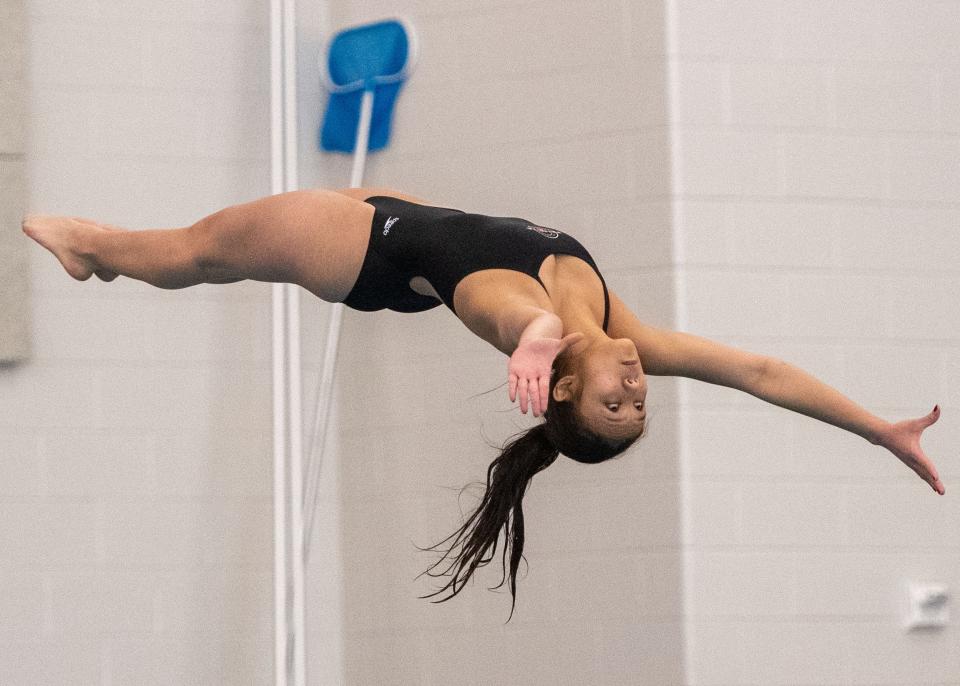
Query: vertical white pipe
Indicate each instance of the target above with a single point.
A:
(279, 492)
(279, 369)
(321, 419)
(363, 139)
(297, 567)
(325, 392)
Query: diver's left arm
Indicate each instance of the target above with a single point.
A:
(783, 384)
(675, 353)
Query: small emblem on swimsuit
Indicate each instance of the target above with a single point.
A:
(390, 222)
(547, 233)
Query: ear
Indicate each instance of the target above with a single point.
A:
(565, 389)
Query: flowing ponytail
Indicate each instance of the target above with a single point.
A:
(507, 479)
(501, 508)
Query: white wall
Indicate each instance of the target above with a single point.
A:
(806, 211)
(816, 164)
(553, 111)
(135, 478)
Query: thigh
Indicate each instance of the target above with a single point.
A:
(332, 233)
(314, 238)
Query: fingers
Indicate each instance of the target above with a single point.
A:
(544, 393)
(934, 480)
(535, 397)
(925, 468)
(933, 416)
(926, 471)
(533, 393)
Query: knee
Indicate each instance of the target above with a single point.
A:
(203, 251)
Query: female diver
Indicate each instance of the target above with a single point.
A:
(577, 355)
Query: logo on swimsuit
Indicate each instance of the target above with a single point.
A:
(390, 222)
(546, 233)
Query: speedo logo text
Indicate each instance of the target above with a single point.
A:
(390, 222)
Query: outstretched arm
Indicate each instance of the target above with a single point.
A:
(674, 353)
(788, 386)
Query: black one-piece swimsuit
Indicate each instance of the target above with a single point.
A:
(443, 246)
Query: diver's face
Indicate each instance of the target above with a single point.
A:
(612, 388)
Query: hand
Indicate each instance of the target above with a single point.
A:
(529, 370)
(903, 440)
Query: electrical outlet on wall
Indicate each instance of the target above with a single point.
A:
(928, 606)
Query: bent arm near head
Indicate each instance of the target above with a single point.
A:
(502, 319)
(531, 361)
(521, 323)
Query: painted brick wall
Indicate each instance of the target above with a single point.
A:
(135, 478)
(816, 162)
(806, 211)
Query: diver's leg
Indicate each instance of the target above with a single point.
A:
(162, 257)
(313, 238)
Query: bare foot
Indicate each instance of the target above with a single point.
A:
(62, 237)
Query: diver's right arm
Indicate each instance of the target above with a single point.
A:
(524, 330)
(511, 321)
(531, 362)
(527, 323)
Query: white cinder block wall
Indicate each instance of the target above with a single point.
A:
(817, 162)
(135, 445)
(554, 111)
(814, 171)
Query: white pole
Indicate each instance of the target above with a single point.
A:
(325, 392)
(363, 139)
(287, 400)
(279, 368)
(297, 567)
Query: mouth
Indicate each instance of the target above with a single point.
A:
(630, 362)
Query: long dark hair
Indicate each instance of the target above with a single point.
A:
(475, 543)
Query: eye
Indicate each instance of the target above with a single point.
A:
(613, 407)
(638, 404)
